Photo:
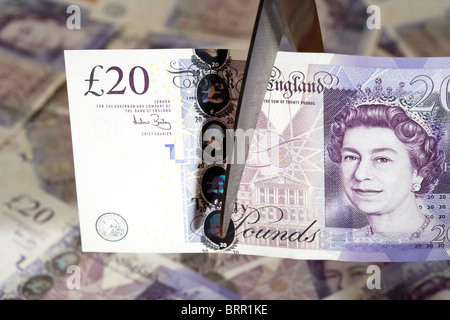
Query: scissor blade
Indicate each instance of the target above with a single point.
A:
(263, 49)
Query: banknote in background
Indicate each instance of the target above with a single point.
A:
(141, 38)
(425, 280)
(388, 46)
(24, 88)
(33, 36)
(228, 24)
(232, 18)
(37, 31)
(410, 32)
(63, 272)
(51, 144)
(401, 33)
(417, 38)
(149, 15)
(31, 220)
(343, 26)
(254, 277)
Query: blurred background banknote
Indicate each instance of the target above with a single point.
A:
(40, 166)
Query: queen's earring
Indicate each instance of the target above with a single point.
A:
(415, 187)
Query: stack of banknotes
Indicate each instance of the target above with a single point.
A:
(306, 222)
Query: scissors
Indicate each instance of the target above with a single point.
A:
(298, 21)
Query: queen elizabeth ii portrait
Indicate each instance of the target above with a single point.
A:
(386, 161)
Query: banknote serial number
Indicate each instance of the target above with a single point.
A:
(120, 86)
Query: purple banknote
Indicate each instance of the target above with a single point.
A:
(33, 37)
(39, 31)
(348, 160)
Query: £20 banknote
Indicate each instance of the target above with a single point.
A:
(348, 161)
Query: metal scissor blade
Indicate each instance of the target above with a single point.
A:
(263, 49)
